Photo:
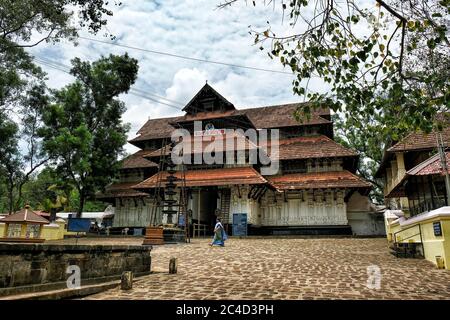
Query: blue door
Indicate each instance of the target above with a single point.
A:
(239, 224)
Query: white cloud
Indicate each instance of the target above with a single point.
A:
(186, 84)
(192, 28)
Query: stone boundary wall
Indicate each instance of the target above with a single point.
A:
(32, 265)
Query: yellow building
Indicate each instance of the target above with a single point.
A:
(430, 230)
(424, 225)
(23, 226)
(27, 226)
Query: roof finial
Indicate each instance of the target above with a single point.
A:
(206, 81)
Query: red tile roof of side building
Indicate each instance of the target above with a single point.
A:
(420, 141)
(417, 141)
(318, 180)
(431, 166)
(209, 177)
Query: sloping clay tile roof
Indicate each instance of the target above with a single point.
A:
(137, 160)
(26, 215)
(310, 147)
(431, 166)
(318, 180)
(200, 144)
(264, 117)
(211, 177)
(421, 141)
(283, 116)
(121, 190)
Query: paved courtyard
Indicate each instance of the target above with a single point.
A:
(284, 269)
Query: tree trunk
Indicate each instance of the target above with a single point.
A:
(11, 200)
(11, 195)
(19, 196)
(81, 204)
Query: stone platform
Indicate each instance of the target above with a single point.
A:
(287, 268)
(36, 267)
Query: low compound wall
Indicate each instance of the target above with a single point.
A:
(28, 267)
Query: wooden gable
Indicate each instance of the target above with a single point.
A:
(208, 100)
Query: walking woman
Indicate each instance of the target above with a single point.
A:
(219, 235)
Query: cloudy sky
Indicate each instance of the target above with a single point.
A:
(194, 28)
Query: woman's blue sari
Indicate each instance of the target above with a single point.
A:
(219, 235)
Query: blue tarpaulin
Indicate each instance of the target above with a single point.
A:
(79, 225)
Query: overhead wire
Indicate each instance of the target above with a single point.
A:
(186, 57)
(136, 92)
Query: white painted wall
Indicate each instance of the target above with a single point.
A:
(244, 205)
(363, 217)
(366, 223)
(128, 214)
(300, 209)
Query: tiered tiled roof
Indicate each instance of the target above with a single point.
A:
(283, 116)
(123, 189)
(276, 116)
(202, 144)
(210, 177)
(137, 160)
(155, 129)
(318, 180)
(209, 115)
(311, 147)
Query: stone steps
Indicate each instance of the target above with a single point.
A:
(65, 293)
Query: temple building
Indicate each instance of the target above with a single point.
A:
(403, 156)
(300, 182)
(414, 172)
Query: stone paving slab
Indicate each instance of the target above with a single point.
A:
(285, 269)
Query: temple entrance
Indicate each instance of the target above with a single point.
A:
(204, 206)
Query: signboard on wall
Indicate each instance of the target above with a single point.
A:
(239, 224)
(437, 228)
(181, 220)
(211, 132)
(78, 225)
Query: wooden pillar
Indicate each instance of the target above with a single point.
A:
(430, 185)
(423, 194)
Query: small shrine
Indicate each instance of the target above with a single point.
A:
(23, 226)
